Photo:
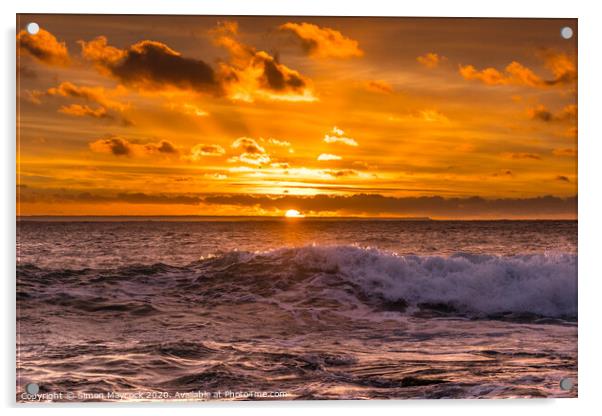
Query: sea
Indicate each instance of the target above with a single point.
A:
(235, 308)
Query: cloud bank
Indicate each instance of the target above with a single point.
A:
(358, 204)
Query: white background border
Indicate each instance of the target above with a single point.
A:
(590, 208)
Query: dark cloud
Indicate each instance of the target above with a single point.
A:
(541, 113)
(141, 198)
(277, 79)
(166, 147)
(34, 195)
(114, 145)
(248, 75)
(562, 178)
(151, 65)
(119, 146)
(248, 145)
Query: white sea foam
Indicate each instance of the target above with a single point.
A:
(542, 284)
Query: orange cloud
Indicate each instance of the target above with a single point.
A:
(279, 143)
(561, 65)
(251, 159)
(514, 74)
(323, 42)
(252, 152)
(248, 145)
(188, 109)
(328, 156)
(83, 110)
(430, 60)
(92, 94)
(248, 75)
(44, 47)
(107, 108)
(336, 135)
(200, 150)
(251, 74)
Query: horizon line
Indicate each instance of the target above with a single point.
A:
(272, 217)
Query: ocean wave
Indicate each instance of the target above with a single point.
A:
(337, 277)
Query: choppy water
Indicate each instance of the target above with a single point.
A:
(312, 309)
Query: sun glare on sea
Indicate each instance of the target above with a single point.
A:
(293, 213)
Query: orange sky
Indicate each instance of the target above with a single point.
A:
(188, 115)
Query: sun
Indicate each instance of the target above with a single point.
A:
(293, 213)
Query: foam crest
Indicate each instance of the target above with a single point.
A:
(542, 284)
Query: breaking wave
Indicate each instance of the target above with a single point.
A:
(335, 277)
